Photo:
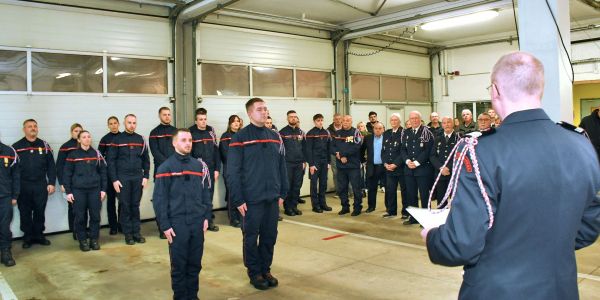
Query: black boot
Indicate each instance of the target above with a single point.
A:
(94, 244)
(138, 238)
(84, 245)
(6, 258)
(129, 239)
(212, 227)
(259, 282)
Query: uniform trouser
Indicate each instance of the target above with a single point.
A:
(112, 209)
(295, 177)
(71, 215)
(391, 193)
(318, 185)
(417, 187)
(129, 205)
(373, 182)
(186, 258)
(352, 177)
(259, 229)
(32, 208)
(440, 190)
(333, 164)
(87, 201)
(6, 215)
(232, 212)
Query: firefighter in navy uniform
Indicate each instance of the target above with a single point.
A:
(234, 124)
(443, 145)
(205, 147)
(526, 199)
(257, 178)
(394, 168)
(85, 183)
(346, 148)
(38, 176)
(318, 149)
(129, 170)
(293, 139)
(161, 145)
(9, 192)
(106, 142)
(63, 153)
(183, 205)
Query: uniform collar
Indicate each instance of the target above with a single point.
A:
(526, 115)
(180, 157)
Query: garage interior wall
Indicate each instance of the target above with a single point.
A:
(45, 28)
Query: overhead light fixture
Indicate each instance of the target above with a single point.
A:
(99, 71)
(63, 75)
(114, 58)
(461, 20)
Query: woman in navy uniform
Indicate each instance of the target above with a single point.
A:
(10, 186)
(112, 210)
(63, 153)
(85, 183)
(233, 126)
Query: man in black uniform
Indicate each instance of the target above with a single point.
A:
(332, 128)
(394, 167)
(161, 144)
(293, 140)
(418, 173)
(514, 229)
(258, 182)
(317, 149)
(183, 205)
(346, 148)
(38, 176)
(111, 195)
(9, 192)
(373, 146)
(443, 145)
(206, 148)
(129, 169)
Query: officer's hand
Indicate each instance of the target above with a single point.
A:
(205, 226)
(445, 171)
(117, 186)
(280, 201)
(216, 176)
(102, 195)
(62, 188)
(344, 160)
(312, 170)
(51, 189)
(144, 182)
(70, 198)
(243, 209)
(14, 202)
(170, 234)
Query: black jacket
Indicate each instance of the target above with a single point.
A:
(63, 153)
(417, 147)
(347, 143)
(205, 147)
(440, 152)
(161, 143)
(182, 192)
(224, 148)
(106, 142)
(293, 140)
(256, 166)
(84, 170)
(317, 146)
(591, 124)
(368, 147)
(36, 161)
(10, 182)
(391, 154)
(128, 158)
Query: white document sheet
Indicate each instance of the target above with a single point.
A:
(429, 218)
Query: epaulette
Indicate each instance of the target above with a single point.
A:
(478, 134)
(571, 127)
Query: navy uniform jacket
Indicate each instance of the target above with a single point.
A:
(224, 148)
(181, 192)
(63, 153)
(543, 212)
(440, 152)
(390, 150)
(293, 140)
(10, 183)
(317, 146)
(417, 147)
(128, 158)
(161, 143)
(84, 170)
(256, 166)
(347, 143)
(106, 142)
(36, 161)
(205, 147)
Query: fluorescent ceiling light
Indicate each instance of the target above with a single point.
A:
(99, 71)
(63, 75)
(114, 58)
(462, 20)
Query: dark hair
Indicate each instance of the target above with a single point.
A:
(76, 125)
(81, 132)
(371, 113)
(111, 118)
(269, 118)
(317, 116)
(163, 108)
(291, 112)
(29, 120)
(129, 115)
(232, 119)
(251, 102)
(201, 111)
(179, 130)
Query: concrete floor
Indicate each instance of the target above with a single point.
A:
(372, 258)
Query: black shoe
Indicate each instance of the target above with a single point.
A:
(326, 208)
(26, 244)
(410, 221)
(388, 215)
(84, 246)
(289, 212)
(273, 282)
(370, 210)
(162, 236)
(404, 217)
(129, 239)
(94, 244)
(259, 282)
(344, 211)
(212, 227)
(297, 211)
(280, 218)
(235, 223)
(301, 201)
(6, 258)
(317, 210)
(138, 238)
(113, 232)
(355, 213)
(43, 241)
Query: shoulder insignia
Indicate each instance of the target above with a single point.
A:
(571, 127)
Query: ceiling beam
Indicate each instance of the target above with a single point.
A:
(111, 5)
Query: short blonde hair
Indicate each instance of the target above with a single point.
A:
(520, 73)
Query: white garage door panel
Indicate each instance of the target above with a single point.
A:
(390, 63)
(55, 114)
(360, 113)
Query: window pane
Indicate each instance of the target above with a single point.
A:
(272, 82)
(393, 88)
(365, 87)
(313, 84)
(460, 106)
(481, 107)
(13, 70)
(225, 80)
(137, 76)
(417, 90)
(55, 72)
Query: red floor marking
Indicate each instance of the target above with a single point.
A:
(333, 237)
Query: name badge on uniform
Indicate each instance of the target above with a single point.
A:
(40, 149)
(204, 142)
(131, 147)
(349, 139)
(299, 137)
(421, 145)
(395, 144)
(6, 161)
